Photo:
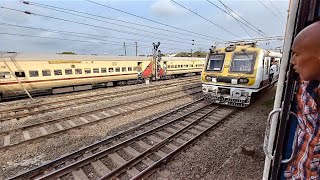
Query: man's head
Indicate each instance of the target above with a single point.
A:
(306, 50)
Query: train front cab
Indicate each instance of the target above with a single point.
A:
(281, 132)
(232, 74)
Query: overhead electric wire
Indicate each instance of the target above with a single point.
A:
(238, 15)
(129, 27)
(230, 14)
(122, 21)
(67, 32)
(64, 39)
(254, 39)
(239, 22)
(215, 24)
(71, 33)
(279, 18)
(275, 7)
(150, 20)
(74, 40)
(91, 25)
(55, 31)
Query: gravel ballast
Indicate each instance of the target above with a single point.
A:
(231, 151)
(25, 157)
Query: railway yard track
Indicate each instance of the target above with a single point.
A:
(135, 153)
(35, 131)
(48, 106)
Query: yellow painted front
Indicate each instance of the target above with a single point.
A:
(227, 63)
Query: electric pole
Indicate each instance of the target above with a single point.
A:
(136, 44)
(192, 45)
(125, 48)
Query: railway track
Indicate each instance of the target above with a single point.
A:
(43, 107)
(136, 153)
(29, 133)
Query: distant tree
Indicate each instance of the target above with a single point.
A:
(194, 54)
(182, 54)
(199, 54)
(66, 52)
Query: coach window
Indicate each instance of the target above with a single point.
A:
(103, 70)
(5, 75)
(34, 73)
(87, 71)
(129, 68)
(57, 72)
(124, 69)
(117, 69)
(191, 65)
(78, 71)
(178, 66)
(46, 73)
(68, 71)
(111, 70)
(95, 70)
(20, 74)
(243, 63)
(135, 68)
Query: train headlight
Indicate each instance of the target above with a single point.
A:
(234, 81)
(243, 80)
(214, 80)
(208, 78)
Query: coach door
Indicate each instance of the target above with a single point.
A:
(165, 66)
(266, 70)
(139, 70)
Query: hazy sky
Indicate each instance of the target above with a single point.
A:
(99, 36)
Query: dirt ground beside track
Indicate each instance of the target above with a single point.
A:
(231, 151)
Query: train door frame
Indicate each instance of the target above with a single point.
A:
(266, 70)
(139, 69)
(299, 16)
(165, 66)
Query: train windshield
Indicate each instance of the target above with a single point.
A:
(242, 63)
(215, 62)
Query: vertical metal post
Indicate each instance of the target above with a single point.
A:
(156, 58)
(136, 44)
(125, 48)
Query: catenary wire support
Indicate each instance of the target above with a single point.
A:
(17, 79)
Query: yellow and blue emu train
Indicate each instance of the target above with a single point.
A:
(232, 74)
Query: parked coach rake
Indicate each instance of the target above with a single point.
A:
(233, 74)
(57, 73)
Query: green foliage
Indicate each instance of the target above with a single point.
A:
(68, 53)
(194, 54)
